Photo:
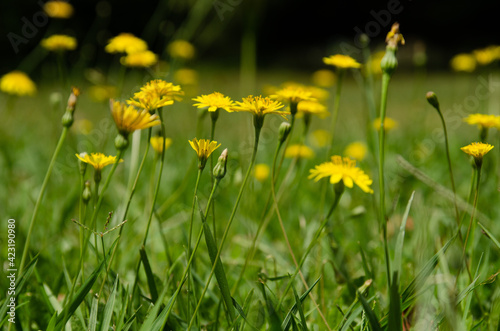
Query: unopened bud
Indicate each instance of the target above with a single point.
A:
(75, 92)
(67, 119)
(83, 165)
(389, 62)
(121, 142)
(284, 131)
(221, 166)
(87, 192)
(433, 99)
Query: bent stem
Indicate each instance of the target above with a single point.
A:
(40, 197)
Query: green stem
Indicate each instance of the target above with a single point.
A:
(212, 137)
(40, 197)
(381, 147)
(313, 243)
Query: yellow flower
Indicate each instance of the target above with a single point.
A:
(158, 144)
(181, 49)
(126, 43)
(59, 43)
(101, 93)
(317, 93)
(356, 150)
(342, 169)
(156, 94)
(142, 59)
(17, 83)
(313, 108)
(477, 150)
(483, 121)
(260, 106)
(299, 151)
(261, 172)
(389, 124)
(323, 78)
(375, 61)
(341, 61)
(292, 94)
(203, 148)
(186, 76)
(486, 55)
(214, 101)
(83, 126)
(58, 9)
(321, 137)
(128, 119)
(463, 62)
(97, 160)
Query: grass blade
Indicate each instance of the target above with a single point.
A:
(108, 309)
(93, 315)
(299, 308)
(293, 309)
(490, 235)
(274, 320)
(149, 274)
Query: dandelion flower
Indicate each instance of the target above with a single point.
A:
(59, 43)
(342, 169)
(477, 149)
(260, 106)
(312, 108)
(486, 55)
(186, 76)
(292, 94)
(321, 137)
(261, 172)
(142, 59)
(375, 61)
(463, 62)
(156, 94)
(17, 83)
(58, 9)
(101, 93)
(128, 119)
(203, 148)
(181, 49)
(483, 121)
(323, 78)
(341, 61)
(299, 151)
(214, 101)
(389, 124)
(159, 143)
(356, 150)
(126, 43)
(97, 160)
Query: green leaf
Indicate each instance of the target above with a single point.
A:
(93, 314)
(108, 309)
(299, 308)
(274, 320)
(394, 322)
(490, 235)
(370, 314)
(149, 274)
(286, 322)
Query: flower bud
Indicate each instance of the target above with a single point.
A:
(87, 192)
(389, 62)
(221, 166)
(433, 100)
(67, 119)
(121, 142)
(284, 131)
(83, 165)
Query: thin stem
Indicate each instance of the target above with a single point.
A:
(212, 137)
(40, 197)
(381, 147)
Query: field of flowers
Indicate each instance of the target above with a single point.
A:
(168, 195)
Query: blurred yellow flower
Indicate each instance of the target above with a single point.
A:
(126, 43)
(101, 93)
(59, 43)
(477, 150)
(483, 121)
(97, 160)
(389, 124)
(312, 108)
(375, 61)
(356, 150)
(158, 144)
(321, 137)
(318, 93)
(324, 78)
(260, 106)
(143, 59)
(261, 172)
(341, 61)
(186, 76)
(182, 49)
(128, 119)
(17, 83)
(342, 169)
(292, 94)
(83, 126)
(203, 148)
(299, 151)
(156, 94)
(214, 101)
(58, 9)
(463, 62)
(486, 55)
